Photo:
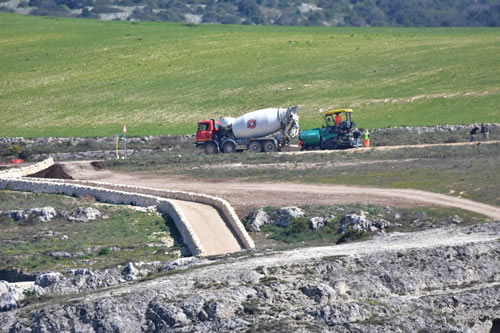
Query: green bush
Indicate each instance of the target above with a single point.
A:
(14, 150)
(104, 251)
(351, 235)
(299, 225)
(25, 154)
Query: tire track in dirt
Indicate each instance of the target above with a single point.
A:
(384, 148)
(246, 196)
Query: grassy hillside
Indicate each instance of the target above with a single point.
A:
(71, 77)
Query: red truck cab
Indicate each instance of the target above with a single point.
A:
(208, 135)
(206, 130)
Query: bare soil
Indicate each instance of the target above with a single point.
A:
(247, 196)
(56, 171)
(372, 146)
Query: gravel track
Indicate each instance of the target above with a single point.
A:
(244, 196)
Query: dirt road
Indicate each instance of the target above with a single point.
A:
(361, 149)
(245, 197)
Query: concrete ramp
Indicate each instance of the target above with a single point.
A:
(213, 233)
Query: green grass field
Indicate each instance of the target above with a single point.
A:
(70, 77)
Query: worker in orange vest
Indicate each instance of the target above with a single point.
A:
(366, 137)
(338, 119)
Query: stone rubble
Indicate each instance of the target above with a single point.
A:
(46, 214)
(284, 216)
(287, 215)
(316, 223)
(84, 214)
(11, 295)
(257, 219)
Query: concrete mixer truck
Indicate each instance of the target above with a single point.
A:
(265, 130)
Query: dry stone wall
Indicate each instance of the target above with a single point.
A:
(126, 194)
(27, 170)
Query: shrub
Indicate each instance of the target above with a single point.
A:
(25, 154)
(104, 251)
(351, 235)
(452, 139)
(299, 225)
(14, 150)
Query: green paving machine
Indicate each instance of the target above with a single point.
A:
(335, 134)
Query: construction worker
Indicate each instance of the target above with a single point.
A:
(356, 134)
(338, 119)
(366, 137)
(473, 133)
(485, 132)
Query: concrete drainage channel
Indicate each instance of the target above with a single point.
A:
(208, 225)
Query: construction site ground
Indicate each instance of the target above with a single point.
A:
(245, 196)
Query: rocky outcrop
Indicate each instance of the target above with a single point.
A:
(451, 288)
(49, 279)
(46, 214)
(17, 215)
(83, 280)
(282, 217)
(287, 214)
(12, 294)
(84, 214)
(317, 222)
(257, 219)
(360, 222)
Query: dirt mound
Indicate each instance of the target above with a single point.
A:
(55, 171)
(98, 165)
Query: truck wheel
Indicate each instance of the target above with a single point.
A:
(229, 147)
(269, 146)
(255, 147)
(211, 148)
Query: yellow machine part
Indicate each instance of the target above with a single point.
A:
(328, 113)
